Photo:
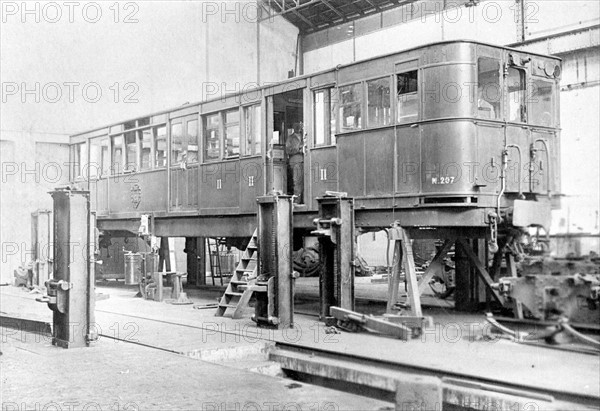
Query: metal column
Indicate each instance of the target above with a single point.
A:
(335, 228)
(274, 284)
(41, 243)
(71, 290)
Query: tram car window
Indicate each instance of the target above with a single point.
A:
(351, 107)
(160, 147)
(322, 112)
(252, 130)
(131, 151)
(232, 133)
(212, 141)
(178, 144)
(378, 102)
(488, 88)
(192, 139)
(117, 155)
(79, 160)
(145, 137)
(542, 104)
(99, 159)
(516, 95)
(407, 97)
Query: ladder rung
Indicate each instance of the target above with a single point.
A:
(227, 305)
(238, 282)
(233, 293)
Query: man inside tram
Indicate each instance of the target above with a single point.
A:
(294, 147)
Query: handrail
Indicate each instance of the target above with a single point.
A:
(547, 150)
(520, 167)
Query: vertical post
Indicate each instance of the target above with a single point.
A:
(91, 279)
(71, 290)
(275, 306)
(462, 293)
(335, 228)
(201, 251)
(35, 248)
(191, 251)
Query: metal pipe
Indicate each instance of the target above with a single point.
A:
(502, 180)
(564, 324)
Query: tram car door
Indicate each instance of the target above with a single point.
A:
(287, 143)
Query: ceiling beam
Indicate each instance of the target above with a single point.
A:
(336, 11)
(304, 19)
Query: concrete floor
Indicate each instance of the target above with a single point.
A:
(162, 366)
(458, 344)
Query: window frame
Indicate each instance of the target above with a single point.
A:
(151, 159)
(330, 115)
(531, 100)
(248, 144)
(500, 102)
(227, 125)
(340, 106)
(100, 170)
(206, 134)
(77, 167)
(141, 125)
(136, 144)
(121, 166)
(176, 122)
(416, 93)
(390, 121)
(155, 150)
(188, 120)
(524, 116)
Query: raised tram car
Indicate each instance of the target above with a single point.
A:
(456, 135)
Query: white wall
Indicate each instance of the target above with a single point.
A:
(167, 55)
(32, 165)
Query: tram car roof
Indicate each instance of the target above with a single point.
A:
(313, 74)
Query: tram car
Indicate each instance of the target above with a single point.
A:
(452, 137)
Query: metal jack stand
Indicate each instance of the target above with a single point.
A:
(71, 290)
(335, 228)
(274, 289)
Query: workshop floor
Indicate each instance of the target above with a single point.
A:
(164, 338)
(164, 365)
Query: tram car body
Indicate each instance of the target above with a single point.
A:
(438, 137)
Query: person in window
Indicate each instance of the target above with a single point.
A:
(294, 148)
(484, 108)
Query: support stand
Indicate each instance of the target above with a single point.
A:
(274, 285)
(335, 228)
(403, 254)
(71, 289)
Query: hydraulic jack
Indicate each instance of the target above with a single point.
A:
(70, 293)
(335, 228)
(274, 289)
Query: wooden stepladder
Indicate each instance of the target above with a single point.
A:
(240, 288)
(214, 259)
